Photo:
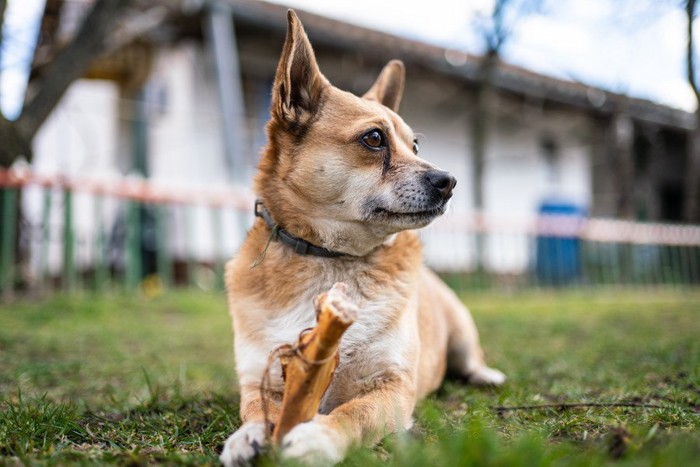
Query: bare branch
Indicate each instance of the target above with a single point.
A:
(69, 64)
(500, 31)
(136, 26)
(690, 57)
(48, 30)
(3, 7)
(575, 405)
(497, 27)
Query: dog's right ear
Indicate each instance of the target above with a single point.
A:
(388, 89)
(299, 84)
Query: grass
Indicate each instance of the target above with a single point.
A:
(129, 380)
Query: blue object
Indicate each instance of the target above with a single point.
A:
(558, 257)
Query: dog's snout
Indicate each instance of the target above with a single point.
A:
(443, 181)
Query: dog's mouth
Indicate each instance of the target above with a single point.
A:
(408, 218)
(433, 212)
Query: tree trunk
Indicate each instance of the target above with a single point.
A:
(44, 91)
(479, 128)
(622, 151)
(621, 147)
(70, 63)
(14, 144)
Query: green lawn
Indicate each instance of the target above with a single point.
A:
(126, 379)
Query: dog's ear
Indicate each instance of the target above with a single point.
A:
(299, 84)
(388, 88)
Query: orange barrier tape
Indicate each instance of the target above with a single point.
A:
(132, 189)
(596, 230)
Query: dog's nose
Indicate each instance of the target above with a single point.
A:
(443, 181)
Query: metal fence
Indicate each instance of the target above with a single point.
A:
(559, 251)
(111, 233)
(130, 234)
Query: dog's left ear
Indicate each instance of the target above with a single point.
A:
(299, 84)
(388, 89)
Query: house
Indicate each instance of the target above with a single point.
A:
(168, 107)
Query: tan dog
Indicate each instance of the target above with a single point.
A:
(341, 178)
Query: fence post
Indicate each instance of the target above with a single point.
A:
(9, 220)
(164, 264)
(677, 265)
(45, 237)
(189, 243)
(218, 247)
(666, 266)
(101, 272)
(132, 264)
(694, 264)
(68, 240)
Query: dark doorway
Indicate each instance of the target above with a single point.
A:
(671, 202)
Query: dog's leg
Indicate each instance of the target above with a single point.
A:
(251, 437)
(464, 354)
(364, 419)
(465, 357)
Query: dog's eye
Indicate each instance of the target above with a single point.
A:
(373, 139)
(415, 146)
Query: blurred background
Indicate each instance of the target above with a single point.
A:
(130, 131)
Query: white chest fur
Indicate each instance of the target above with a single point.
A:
(382, 339)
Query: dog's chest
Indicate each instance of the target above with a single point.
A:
(378, 315)
(375, 342)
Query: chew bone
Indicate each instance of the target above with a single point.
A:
(308, 368)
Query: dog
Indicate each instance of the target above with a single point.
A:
(341, 188)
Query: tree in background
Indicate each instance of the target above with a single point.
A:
(62, 65)
(495, 30)
(107, 27)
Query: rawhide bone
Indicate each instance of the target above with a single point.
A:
(308, 368)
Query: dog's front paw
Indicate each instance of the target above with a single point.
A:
(486, 376)
(313, 443)
(244, 445)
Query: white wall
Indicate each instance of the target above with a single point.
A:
(185, 147)
(78, 140)
(85, 138)
(516, 176)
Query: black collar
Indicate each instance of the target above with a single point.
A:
(300, 246)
